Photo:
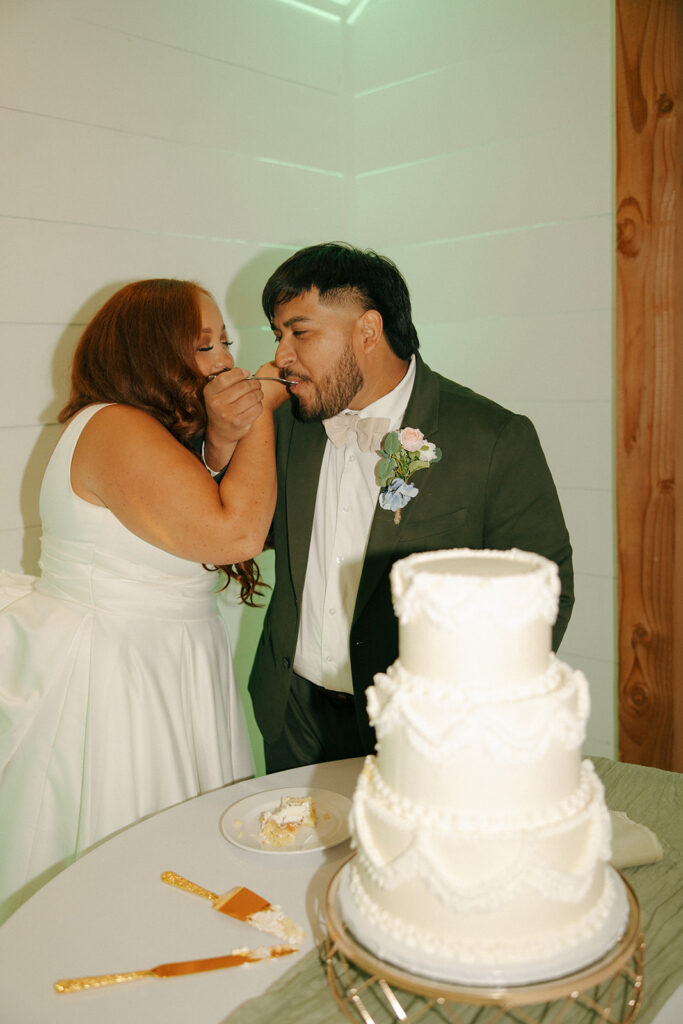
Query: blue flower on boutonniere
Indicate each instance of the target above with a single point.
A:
(404, 452)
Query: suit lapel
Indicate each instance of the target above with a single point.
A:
(306, 448)
(422, 412)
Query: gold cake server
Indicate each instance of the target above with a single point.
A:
(214, 963)
(244, 905)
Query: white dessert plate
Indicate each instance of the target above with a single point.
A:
(240, 823)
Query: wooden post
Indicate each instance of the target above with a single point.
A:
(649, 49)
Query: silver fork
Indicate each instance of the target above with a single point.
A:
(280, 380)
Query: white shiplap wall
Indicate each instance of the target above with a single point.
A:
(483, 165)
(471, 141)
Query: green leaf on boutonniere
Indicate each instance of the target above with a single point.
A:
(391, 443)
(384, 471)
(414, 466)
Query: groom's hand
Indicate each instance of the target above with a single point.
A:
(274, 393)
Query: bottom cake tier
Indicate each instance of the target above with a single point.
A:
(488, 899)
(552, 954)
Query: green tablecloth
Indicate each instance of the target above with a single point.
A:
(649, 796)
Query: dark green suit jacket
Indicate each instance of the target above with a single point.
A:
(491, 489)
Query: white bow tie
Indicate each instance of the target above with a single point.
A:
(369, 431)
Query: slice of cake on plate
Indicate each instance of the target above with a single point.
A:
(280, 827)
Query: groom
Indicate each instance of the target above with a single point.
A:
(347, 343)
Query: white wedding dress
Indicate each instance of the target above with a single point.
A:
(117, 693)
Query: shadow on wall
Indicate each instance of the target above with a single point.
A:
(243, 305)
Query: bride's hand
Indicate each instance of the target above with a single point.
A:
(233, 402)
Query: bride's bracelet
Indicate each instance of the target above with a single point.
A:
(214, 472)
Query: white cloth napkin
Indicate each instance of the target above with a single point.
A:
(633, 844)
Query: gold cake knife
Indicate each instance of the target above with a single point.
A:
(172, 970)
(244, 905)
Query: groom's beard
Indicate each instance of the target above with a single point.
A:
(334, 393)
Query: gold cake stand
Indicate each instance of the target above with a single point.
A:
(372, 991)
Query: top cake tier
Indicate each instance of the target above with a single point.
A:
(481, 616)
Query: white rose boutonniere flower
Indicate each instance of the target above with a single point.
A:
(428, 452)
(404, 453)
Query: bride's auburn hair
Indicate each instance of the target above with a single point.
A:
(139, 350)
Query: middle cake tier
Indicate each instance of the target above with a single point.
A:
(481, 753)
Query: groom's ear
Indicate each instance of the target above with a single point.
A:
(371, 327)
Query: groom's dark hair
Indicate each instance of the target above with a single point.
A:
(339, 270)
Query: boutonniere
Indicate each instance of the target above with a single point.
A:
(404, 452)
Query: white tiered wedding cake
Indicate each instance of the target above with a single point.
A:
(482, 839)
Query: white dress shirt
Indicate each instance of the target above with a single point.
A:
(344, 507)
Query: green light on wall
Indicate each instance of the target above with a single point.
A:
(298, 167)
(312, 9)
(333, 10)
(354, 14)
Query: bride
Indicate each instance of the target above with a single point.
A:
(117, 694)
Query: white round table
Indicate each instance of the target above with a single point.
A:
(110, 912)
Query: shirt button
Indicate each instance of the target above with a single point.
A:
(329, 660)
(333, 611)
(345, 508)
(339, 559)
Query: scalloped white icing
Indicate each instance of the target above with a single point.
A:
(521, 588)
(453, 691)
(509, 730)
(399, 811)
(521, 860)
(499, 949)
